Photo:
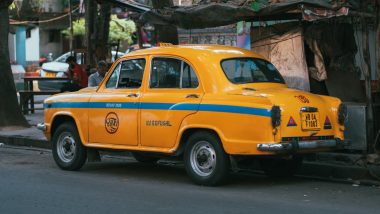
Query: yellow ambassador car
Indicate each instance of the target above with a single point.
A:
(214, 106)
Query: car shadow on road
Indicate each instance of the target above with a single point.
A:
(174, 173)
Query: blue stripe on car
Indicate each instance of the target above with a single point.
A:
(163, 106)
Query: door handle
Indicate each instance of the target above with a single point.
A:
(192, 96)
(132, 95)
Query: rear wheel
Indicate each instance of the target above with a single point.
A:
(68, 151)
(205, 160)
(277, 167)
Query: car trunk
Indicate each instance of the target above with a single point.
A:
(304, 116)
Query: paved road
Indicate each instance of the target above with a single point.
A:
(31, 183)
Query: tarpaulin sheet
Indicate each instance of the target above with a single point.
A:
(219, 14)
(286, 52)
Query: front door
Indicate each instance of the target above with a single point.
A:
(172, 93)
(113, 110)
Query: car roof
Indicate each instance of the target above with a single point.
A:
(219, 51)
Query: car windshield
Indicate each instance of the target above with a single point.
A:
(250, 70)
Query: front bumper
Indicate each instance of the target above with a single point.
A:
(41, 126)
(301, 145)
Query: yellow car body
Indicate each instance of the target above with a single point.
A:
(255, 118)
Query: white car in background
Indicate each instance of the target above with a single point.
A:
(58, 67)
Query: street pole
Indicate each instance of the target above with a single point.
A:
(71, 27)
(377, 51)
(89, 31)
(368, 88)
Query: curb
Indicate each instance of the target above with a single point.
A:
(23, 141)
(355, 175)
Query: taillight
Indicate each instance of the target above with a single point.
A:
(342, 114)
(276, 116)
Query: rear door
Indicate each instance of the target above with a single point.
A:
(173, 92)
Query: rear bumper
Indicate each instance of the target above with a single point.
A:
(301, 146)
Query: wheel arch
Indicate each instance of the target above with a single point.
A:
(61, 118)
(187, 132)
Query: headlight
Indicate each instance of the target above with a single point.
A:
(60, 74)
(342, 114)
(276, 116)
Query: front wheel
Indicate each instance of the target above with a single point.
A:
(68, 151)
(205, 160)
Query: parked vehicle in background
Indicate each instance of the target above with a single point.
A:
(214, 106)
(58, 67)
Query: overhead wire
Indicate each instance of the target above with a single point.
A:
(42, 21)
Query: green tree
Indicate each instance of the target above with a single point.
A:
(120, 29)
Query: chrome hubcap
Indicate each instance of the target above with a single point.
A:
(203, 158)
(66, 147)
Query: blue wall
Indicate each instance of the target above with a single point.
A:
(20, 45)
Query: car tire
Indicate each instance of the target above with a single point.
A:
(144, 158)
(205, 160)
(280, 168)
(68, 151)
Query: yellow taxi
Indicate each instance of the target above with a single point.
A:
(214, 106)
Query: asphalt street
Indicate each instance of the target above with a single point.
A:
(30, 182)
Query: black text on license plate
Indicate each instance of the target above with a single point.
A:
(310, 121)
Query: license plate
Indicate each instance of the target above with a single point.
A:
(310, 121)
(50, 74)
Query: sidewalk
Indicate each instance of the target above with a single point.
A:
(31, 137)
(341, 167)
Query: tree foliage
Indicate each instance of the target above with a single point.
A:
(120, 29)
(79, 28)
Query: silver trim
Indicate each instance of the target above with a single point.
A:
(301, 145)
(203, 158)
(66, 147)
(41, 126)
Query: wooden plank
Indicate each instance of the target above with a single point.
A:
(27, 98)
(44, 78)
(38, 92)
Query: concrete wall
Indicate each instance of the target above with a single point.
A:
(53, 6)
(47, 47)
(33, 46)
(225, 35)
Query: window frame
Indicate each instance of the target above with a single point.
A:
(118, 78)
(110, 75)
(181, 74)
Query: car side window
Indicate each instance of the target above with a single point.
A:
(131, 73)
(112, 80)
(165, 73)
(172, 73)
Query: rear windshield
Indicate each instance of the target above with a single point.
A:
(250, 70)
